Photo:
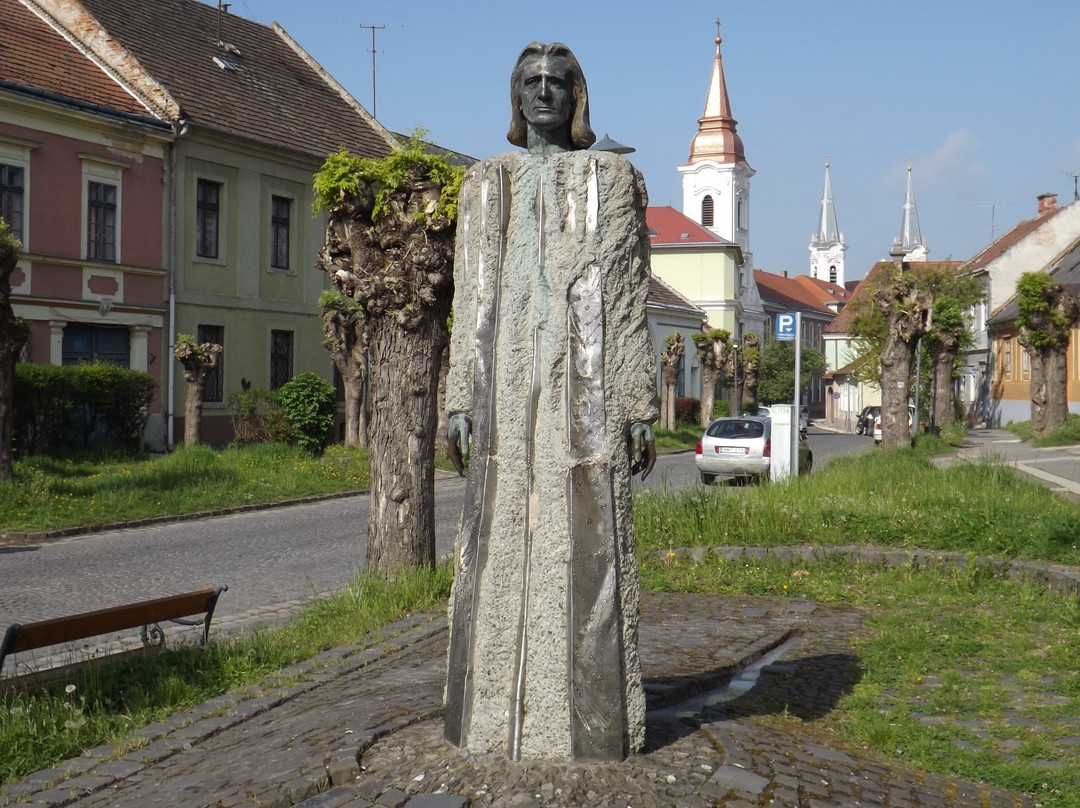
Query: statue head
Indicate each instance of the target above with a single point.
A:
(549, 97)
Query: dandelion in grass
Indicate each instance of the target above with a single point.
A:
(70, 689)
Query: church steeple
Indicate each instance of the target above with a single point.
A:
(716, 138)
(910, 238)
(827, 244)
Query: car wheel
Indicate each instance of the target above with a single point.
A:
(708, 479)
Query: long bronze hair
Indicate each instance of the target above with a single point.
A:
(581, 133)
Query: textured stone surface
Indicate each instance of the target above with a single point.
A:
(551, 358)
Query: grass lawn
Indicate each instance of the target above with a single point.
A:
(1067, 435)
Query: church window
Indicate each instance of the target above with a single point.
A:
(707, 211)
(832, 274)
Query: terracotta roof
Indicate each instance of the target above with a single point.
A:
(665, 296)
(674, 229)
(790, 292)
(842, 323)
(35, 57)
(1011, 238)
(260, 85)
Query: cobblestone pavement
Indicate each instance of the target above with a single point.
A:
(361, 727)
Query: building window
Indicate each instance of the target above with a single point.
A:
(832, 274)
(95, 343)
(12, 192)
(279, 231)
(281, 358)
(1006, 348)
(214, 389)
(1025, 364)
(100, 221)
(207, 218)
(707, 212)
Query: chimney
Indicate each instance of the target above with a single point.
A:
(783, 272)
(1047, 202)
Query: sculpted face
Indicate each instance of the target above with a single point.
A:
(546, 94)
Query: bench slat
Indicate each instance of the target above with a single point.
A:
(105, 621)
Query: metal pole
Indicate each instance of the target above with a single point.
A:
(374, 28)
(798, 385)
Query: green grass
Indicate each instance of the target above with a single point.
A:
(892, 497)
(954, 664)
(1067, 435)
(104, 703)
(684, 437)
(50, 493)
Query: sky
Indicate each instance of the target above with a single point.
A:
(980, 98)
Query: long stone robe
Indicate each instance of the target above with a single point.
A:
(552, 359)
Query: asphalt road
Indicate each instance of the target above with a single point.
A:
(266, 557)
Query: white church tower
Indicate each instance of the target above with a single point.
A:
(716, 189)
(716, 179)
(827, 245)
(911, 238)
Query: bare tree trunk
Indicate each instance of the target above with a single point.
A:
(13, 335)
(196, 386)
(943, 409)
(403, 382)
(1049, 394)
(897, 358)
(444, 417)
(709, 376)
(669, 377)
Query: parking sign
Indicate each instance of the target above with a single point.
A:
(785, 326)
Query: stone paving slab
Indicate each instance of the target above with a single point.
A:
(361, 727)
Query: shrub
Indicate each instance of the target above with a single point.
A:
(309, 404)
(721, 408)
(80, 405)
(687, 410)
(257, 417)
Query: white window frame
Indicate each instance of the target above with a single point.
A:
(16, 152)
(96, 168)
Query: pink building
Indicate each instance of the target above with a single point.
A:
(82, 165)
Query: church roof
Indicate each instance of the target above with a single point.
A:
(911, 237)
(827, 232)
(37, 59)
(716, 138)
(670, 228)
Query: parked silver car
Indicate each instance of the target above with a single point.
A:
(741, 448)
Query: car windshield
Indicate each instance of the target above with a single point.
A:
(736, 429)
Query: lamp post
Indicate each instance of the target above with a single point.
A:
(736, 397)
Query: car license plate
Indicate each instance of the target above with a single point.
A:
(731, 450)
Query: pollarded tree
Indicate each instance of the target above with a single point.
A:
(674, 348)
(197, 361)
(13, 335)
(713, 348)
(345, 337)
(1047, 314)
(950, 333)
(390, 247)
(902, 298)
(749, 358)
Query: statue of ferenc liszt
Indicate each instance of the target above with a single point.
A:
(551, 394)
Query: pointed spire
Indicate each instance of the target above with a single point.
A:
(828, 232)
(716, 138)
(911, 239)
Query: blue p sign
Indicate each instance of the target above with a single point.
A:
(785, 326)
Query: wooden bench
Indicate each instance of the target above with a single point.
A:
(148, 614)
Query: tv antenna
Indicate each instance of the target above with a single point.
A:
(993, 211)
(373, 28)
(1076, 189)
(222, 8)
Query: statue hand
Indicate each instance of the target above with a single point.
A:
(642, 449)
(457, 440)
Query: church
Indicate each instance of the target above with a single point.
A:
(703, 251)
